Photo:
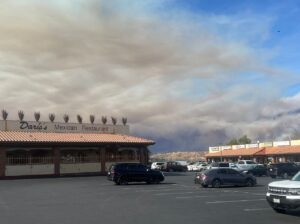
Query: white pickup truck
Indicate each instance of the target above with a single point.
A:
(284, 195)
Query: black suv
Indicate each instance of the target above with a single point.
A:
(283, 170)
(172, 166)
(122, 173)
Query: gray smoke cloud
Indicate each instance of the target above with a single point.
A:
(102, 58)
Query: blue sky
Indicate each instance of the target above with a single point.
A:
(188, 74)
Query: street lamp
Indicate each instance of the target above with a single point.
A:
(221, 154)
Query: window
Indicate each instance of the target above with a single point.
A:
(222, 171)
(32, 157)
(224, 165)
(80, 156)
(229, 171)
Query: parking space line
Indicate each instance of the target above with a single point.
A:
(174, 193)
(160, 190)
(188, 197)
(235, 201)
(255, 209)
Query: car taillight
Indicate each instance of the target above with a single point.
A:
(203, 176)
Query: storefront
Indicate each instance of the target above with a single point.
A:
(260, 155)
(68, 152)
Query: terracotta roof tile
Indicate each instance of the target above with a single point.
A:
(282, 150)
(235, 152)
(279, 150)
(42, 137)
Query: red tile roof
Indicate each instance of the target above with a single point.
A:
(42, 137)
(235, 152)
(279, 150)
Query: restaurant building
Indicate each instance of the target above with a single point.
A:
(29, 148)
(274, 152)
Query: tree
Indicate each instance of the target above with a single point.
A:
(37, 116)
(92, 119)
(79, 119)
(124, 120)
(52, 117)
(21, 115)
(4, 114)
(241, 141)
(104, 119)
(244, 140)
(114, 120)
(233, 141)
(66, 118)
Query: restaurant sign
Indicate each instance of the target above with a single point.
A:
(62, 127)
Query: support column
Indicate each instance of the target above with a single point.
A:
(102, 159)
(56, 160)
(2, 161)
(143, 156)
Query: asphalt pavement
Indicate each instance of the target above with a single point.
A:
(89, 200)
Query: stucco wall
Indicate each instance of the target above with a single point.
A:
(18, 170)
(80, 168)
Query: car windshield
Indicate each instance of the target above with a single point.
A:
(296, 177)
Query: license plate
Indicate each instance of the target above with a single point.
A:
(276, 200)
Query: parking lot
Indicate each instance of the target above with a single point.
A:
(96, 200)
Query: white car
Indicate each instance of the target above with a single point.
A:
(157, 165)
(284, 195)
(246, 164)
(199, 166)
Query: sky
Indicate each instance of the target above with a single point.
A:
(187, 74)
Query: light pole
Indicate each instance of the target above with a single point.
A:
(221, 154)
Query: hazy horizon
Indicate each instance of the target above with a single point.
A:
(186, 74)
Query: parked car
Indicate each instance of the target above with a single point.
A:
(197, 166)
(224, 177)
(246, 164)
(259, 170)
(122, 173)
(182, 162)
(233, 166)
(283, 170)
(172, 166)
(284, 195)
(157, 165)
(216, 165)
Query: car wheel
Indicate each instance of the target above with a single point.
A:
(123, 181)
(216, 183)
(149, 181)
(279, 210)
(249, 183)
(285, 176)
(156, 181)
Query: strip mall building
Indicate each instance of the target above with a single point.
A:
(281, 151)
(30, 148)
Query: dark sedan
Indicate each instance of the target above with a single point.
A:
(224, 177)
(258, 170)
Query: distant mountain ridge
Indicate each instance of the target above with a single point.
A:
(173, 156)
